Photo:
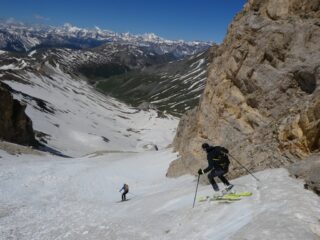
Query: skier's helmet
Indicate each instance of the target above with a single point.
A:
(205, 146)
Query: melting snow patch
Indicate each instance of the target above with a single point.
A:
(32, 53)
(22, 64)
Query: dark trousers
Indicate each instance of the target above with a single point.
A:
(217, 173)
(124, 195)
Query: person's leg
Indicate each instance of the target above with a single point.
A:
(123, 196)
(211, 176)
(224, 180)
(125, 193)
(220, 174)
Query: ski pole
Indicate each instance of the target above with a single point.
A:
(244, 167)
(194, 201)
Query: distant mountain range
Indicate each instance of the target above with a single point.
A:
(19, 37)
(128, 73)
(144, 71)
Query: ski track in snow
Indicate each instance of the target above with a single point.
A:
(46, 197)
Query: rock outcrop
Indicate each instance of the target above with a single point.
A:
(262, 97)
(15, 125)
(309, 170)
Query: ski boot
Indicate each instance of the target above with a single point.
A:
(227, 189)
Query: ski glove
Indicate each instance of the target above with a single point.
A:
(200, 171)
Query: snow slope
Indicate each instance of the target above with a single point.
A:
(45, 197)
(77, 120)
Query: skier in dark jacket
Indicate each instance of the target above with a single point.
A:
(125, 190)
(218, 164)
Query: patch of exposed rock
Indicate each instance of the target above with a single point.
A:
(262, 97)
(15, 149)
(15, 125)
(146, 106)
(309, 170)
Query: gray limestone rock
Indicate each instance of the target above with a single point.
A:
(262, 97)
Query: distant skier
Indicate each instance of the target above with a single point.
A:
(125, 190)
(218, 164)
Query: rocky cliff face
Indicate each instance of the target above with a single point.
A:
(262, 97)
(15, 125)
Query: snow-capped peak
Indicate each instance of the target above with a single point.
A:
(22, 37)
(151, 37)
(70, 28)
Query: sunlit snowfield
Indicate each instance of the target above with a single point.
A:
(79, 120)
(45, 197)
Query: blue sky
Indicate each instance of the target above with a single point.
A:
(172, 19)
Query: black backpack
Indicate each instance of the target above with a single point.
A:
(223, 155)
